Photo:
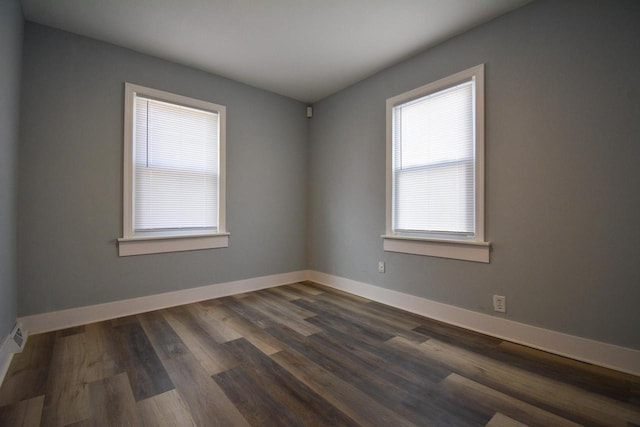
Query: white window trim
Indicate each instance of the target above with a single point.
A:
(133, 243)
(470, 250)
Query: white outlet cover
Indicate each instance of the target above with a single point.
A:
(500, 303)
(381, 266)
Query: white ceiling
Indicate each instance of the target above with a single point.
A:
(304, 49)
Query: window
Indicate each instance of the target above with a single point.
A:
(435, 169)
(174, 164)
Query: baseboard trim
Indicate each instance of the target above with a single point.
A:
(598, 353)
(55, 320)
(595, 352)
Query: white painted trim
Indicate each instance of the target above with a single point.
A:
(139, 247)
(430, 245)
(161, 244)
(45, 322)
(463, 250)
(7, 349)
(129, 175)
(5, 358)
(479, 134)
(598, 353)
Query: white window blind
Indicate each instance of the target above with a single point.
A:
(433, 141)
(176, 184)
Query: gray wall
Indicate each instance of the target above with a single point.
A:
(70, 192)
(562, 182)
(562, 146)
(11, 25)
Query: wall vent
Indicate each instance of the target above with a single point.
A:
(18, 338)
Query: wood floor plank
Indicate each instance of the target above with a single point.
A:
(501, 420)
(205, 349)
(306, 288)
(102, 352)
(329, 290)
(404, 384)
(384, 309)
(164, 339)
(368, 310)
(470, 391)
(614, 384)
(375, 323)
(258, 337)
(257, 406)
(457, 336)
(165, 410)
(349, 369)
(409, 368)
(248, 312)
(283, 305)
(365, 334)
(395, 383)
(284, 293)
(27, 375)
(544, 392)
(112, 403)
(409, 373)
(339, 393)
(301, 292)
(217, 329)
(434, 409)
(67, 393)
(141, 362)
(26, 413)
(208, 404)
(303, 346)
(308, 406)
(83, 423)
(280, 315)
(70, 331)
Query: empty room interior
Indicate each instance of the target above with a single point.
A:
(314, 213)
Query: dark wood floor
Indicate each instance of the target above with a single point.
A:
(301, 355)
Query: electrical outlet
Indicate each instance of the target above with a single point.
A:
(500, 303)
(380, 266)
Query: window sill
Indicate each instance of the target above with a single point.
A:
(453, 249)
(159, 244)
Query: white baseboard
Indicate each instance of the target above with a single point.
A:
(46, 322)
(598, 353)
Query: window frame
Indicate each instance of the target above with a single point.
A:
(462, 248)
(132, 243)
